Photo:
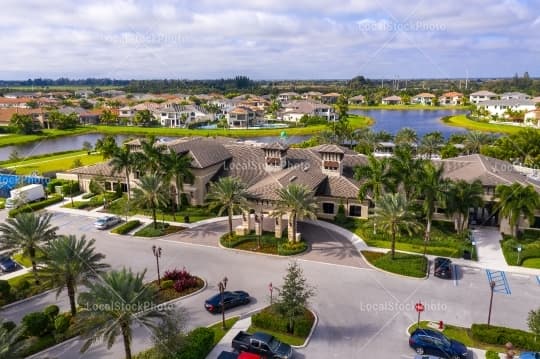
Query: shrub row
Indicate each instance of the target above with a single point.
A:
(270, 319)
(181, 279)
(88, 195)
(530, 249)
(288, 248)
(502, 335)
(127, 227)
(199, 343)
(35, 206)
(231, 242)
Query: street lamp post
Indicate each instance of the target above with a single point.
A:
(519, 253)
(271, 288)
(157, 254)
(473, 244)
(222, 286)
(492, 287)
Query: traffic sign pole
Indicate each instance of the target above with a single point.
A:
(419, 307)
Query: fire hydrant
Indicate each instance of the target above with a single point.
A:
(441, 325)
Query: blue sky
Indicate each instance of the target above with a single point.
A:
(268, 39)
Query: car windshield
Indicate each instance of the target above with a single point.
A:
(101, 220)
(445, 341)
(273, 344)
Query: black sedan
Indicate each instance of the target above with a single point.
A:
(7, 264)
(230, 300)
(442, 268)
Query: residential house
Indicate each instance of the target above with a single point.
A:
(127, 113)
(243, 116)
(112, 93)
(312, 95)
(86, 117)
(84, 93)
(225, 105)
(424, 98)
(515, 96)
(22, 94)
(330, 98)
(451, 99)
(295, 110)
(481, 96)
(536, 100)
(500, 108)
(39, 116)
(18, 102)
(357, 100)
(391, 100)
(175, 115)
(532, 118)
(287, 96)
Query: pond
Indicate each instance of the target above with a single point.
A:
(422, 121)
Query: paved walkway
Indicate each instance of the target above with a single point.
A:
(225, 342)
(488, 247)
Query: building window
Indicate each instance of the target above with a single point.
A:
(355, 211)
(328, 208)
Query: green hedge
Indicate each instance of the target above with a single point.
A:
(35, 206)
(490, 354)
(270, 319)
(502, 335)
(127, 227)
(289, 249)
(530, 249)
(199, 343)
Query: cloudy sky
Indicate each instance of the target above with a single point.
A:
(268, 39)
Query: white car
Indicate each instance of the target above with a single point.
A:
(106, 222)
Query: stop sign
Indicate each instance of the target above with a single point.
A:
(419, 307)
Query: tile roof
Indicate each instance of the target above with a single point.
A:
(204, 152)
(329, 149)
(483, 93)
(99, 169)
(452, 94)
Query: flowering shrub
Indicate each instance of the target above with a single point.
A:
(182, 279)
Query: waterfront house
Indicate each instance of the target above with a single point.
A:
(288, 96)
(502, 108)
(451, 99)
(330, 98)
(311, 95)
(515, 96)
(532, 118)
(391, 100)
(295, 110)
(481, 96)
(424, 98)
(357, 100)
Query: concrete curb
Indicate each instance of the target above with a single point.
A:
(315, 323)
(39, 355)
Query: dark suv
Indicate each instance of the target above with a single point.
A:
(428, 341)
(442, 268)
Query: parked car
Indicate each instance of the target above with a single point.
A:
(432, 342)
(106, 222)
(7, 264)
(529, 355)
(242, 355)
(262, 344)
(442, 268)
(230, 300)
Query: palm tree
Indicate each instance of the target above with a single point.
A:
(298, 202)
(27, 233)
(406, 136)
(394, 216)
(461, 197)
(176, 166)
(113, 304)
(71, 262)
(474, 140)
(432, 188)
(124, 160)
(375, 176)
(151, 192)
(150, 158)
(405, 169)
(367, 141)
(10, 342)
(516, 201)
(229, 194)
(107, 146)
(431, 143)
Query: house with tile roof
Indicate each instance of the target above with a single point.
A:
(501, 108)
(424, 98)
(357, 100)
(330, 97)
(482, 96)
(391, 100)
(295, 110)
(451, 99)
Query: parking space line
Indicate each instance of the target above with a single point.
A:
(500, 280)
(538, 279)
(455, 275)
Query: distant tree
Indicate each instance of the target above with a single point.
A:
(14, 156)
(449, 151)
(144, 118)
(85, 104)
(22, 124)
(87, 146)
(107, 146)
(406, 135)
(76, 163)
(108, 117)
(533, 322)
(342, 107)
(294, 294)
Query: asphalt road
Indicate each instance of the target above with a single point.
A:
(362, 312)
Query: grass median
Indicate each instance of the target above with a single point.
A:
(410, 265)
(463, 121)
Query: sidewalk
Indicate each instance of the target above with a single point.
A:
(225, 342)
(488, 248)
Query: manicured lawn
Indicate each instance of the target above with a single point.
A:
(127, 227)
(23, 287)
(269, 244)
(530, 250)
(406, 107)
(282, 337)
(25, 260)
(444, 241)
(463, 121)
(462, 335)
(410, 265)
(162, 229)
(55, 163)
(16, 139)
(217, 328)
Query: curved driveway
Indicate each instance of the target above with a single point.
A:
(361, 311)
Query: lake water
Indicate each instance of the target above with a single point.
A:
(422, 121)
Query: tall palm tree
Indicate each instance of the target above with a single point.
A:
(298, 202)
(516, 201)
(176, 166)
(376, 177)
(229, 194)
(107, 146)
(405, 170)
(431, 189)
(123, 160)
(112, 305)
(71, 262)
(461, 197)
(27, 232)
(394, 216)
(10, 342)
(431, 143)
(474, 140)
(367, 141)
(149, 159)
(151, 192)
(406, 136)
